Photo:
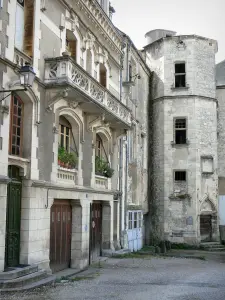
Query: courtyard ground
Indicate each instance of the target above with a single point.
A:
(145, 277)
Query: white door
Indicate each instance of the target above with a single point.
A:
(135, 237)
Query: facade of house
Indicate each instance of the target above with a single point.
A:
(135, 94)
(184, 181)
(73, 147)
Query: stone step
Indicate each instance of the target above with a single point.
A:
(14, 273)
(24, 280)
(210, 243)
(215, 249)
(49, 280)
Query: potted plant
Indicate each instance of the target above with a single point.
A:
(103, 168)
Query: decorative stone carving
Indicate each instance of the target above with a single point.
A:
(64, 69)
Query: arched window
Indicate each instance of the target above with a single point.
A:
(68, 152)
(16, 126)
(89, 62)
(71, 44)
(103, 75)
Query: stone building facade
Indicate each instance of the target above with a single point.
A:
(65, 174)
(183, 113)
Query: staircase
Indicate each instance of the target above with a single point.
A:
(212, 246)
(24, 278)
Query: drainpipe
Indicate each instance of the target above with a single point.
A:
(120, 186)
(126, 179)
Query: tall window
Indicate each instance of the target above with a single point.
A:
(180, 75)
(65, 134)
(16, 126)
(71, 44)
(99, 151)
(180, 131)
(24, 26)
(103, 75)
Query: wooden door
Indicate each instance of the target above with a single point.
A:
(60, 235)
(206, 228)
(13, 219)
(96, 231)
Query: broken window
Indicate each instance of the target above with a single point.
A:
(180, 131)
(180, 75)
(180, 176)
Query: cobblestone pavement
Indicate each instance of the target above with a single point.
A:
(140, 278)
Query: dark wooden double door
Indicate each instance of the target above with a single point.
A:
(13, 218)
(95, 231)
(60, 235)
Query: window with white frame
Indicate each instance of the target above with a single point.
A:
(134, 220)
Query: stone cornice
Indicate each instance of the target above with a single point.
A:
(55, 186)
(100, 21)
(185, 96)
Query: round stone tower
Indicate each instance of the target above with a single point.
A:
(184, 179)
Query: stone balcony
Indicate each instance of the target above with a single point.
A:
(67, 176)
(102, 182)
(64, 71)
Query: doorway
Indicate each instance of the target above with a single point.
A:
(206, 228)
(13, 218)
(60, 235)
(95, 231)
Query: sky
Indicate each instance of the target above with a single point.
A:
(200, 17)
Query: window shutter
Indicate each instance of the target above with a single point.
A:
(19, 27)
(29, 28)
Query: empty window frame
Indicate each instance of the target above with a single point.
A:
(180, 176)
(180, 75)
(180, 133)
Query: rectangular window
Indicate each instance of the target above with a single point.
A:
(135, 220)
(139, 219)
(180, 176)
(65, 134)
(180, 131)
(180, 75)
(19, 35)
(130, 219)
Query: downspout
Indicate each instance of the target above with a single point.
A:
(120, 186)
(126, 178)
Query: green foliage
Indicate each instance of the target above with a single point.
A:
(69, 159)
(102, 168)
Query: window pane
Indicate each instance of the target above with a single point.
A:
(67, 131)
(180, 68)
(180, 123)
(180, 137)
(180, 81)
(180, 176)
(67, 143)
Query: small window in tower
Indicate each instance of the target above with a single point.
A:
(180, 176)
(180, 75)
(180, 131)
